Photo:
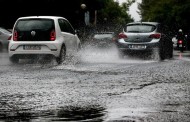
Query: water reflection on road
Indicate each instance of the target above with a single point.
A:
(65, 113)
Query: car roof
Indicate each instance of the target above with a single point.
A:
(152, 23)
(45, 17)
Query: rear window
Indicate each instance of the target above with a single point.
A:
(42, 29)
(140, 28)
(34, 24)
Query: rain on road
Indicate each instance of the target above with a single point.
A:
(96, 87)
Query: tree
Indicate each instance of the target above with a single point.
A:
(173, 13)
(70, 9)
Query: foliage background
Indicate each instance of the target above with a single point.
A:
(108, 10)
(174, 14)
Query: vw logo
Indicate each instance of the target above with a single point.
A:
(33, 33)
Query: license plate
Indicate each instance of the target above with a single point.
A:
(31, 47)
(180, 45)
(138, 47)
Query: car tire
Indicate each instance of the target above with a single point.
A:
(14, 59)
(161, 54)
(62, 55)
(1, 47)
(170, 55)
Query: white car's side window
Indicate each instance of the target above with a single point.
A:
(65, 26)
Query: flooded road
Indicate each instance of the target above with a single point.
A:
(97, 86)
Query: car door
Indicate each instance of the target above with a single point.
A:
(68, 34)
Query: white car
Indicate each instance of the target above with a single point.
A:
(43, 35)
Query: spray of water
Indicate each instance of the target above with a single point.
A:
(106, 55)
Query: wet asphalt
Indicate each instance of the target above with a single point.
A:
(96, 86)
